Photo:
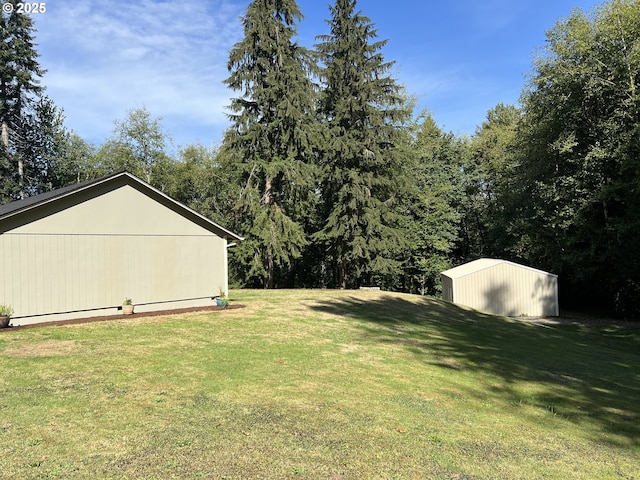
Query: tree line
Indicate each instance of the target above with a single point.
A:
(336, 181)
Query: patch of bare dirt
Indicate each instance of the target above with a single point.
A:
(45, 348)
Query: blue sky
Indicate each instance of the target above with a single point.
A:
(459, 58)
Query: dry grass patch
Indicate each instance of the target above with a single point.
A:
(45, 348)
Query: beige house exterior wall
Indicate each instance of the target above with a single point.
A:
(83, 258)
(502, 288)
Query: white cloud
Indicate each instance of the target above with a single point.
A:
(104, 59)
(459, 58)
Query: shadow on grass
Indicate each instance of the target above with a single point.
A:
(584, 374)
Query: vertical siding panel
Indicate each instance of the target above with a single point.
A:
(55, 272)
(98, 279)
(126, 260)
(65, 263)
(104, 269)
(71, 256)
(80, 274)
(218, 272)
(6, 269)
(5, 273)
(107, 271)
(512, 279)
(43, 272)
(97, 287)
(200, 277)
(103, 247)
(85, 292)
(496, 293)
(192, 258)
(522, 298)
(10, 275)
(135, 268)
(489, 274)
(31, 283)
(188, 255)
(117, 268)
(91, 280)
(159, 272)
(533, 295)
(478, 287)
(3, 270)
(145, 269)
(101, 268)
(15, 253)
(26, 264)
(184, 260)
(514, 288)
(526, 291)
(35, 265)
(173, 271)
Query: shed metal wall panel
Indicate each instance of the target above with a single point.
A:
(447, 288)
(502, 287)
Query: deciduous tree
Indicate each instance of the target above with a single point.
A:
(138, 145)
(580, 171)
(488, 186)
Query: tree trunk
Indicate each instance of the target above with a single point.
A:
(343, 275)
(269, 283)
(5, 135)
(21, 176)
(268, 200)
(4, 138)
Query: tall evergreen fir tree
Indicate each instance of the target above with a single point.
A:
(271, 139)
(363, 108)
(31, 126)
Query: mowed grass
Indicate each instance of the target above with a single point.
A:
(321, 384)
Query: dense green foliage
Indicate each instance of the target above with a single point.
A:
(431, 206)
(578, 176)
(334, 184)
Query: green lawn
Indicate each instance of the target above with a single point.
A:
(321, 384)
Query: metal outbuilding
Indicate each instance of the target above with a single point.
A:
(79, 251)
(502, 288)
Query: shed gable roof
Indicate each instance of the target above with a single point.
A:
(13, 209)
(484, 263)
